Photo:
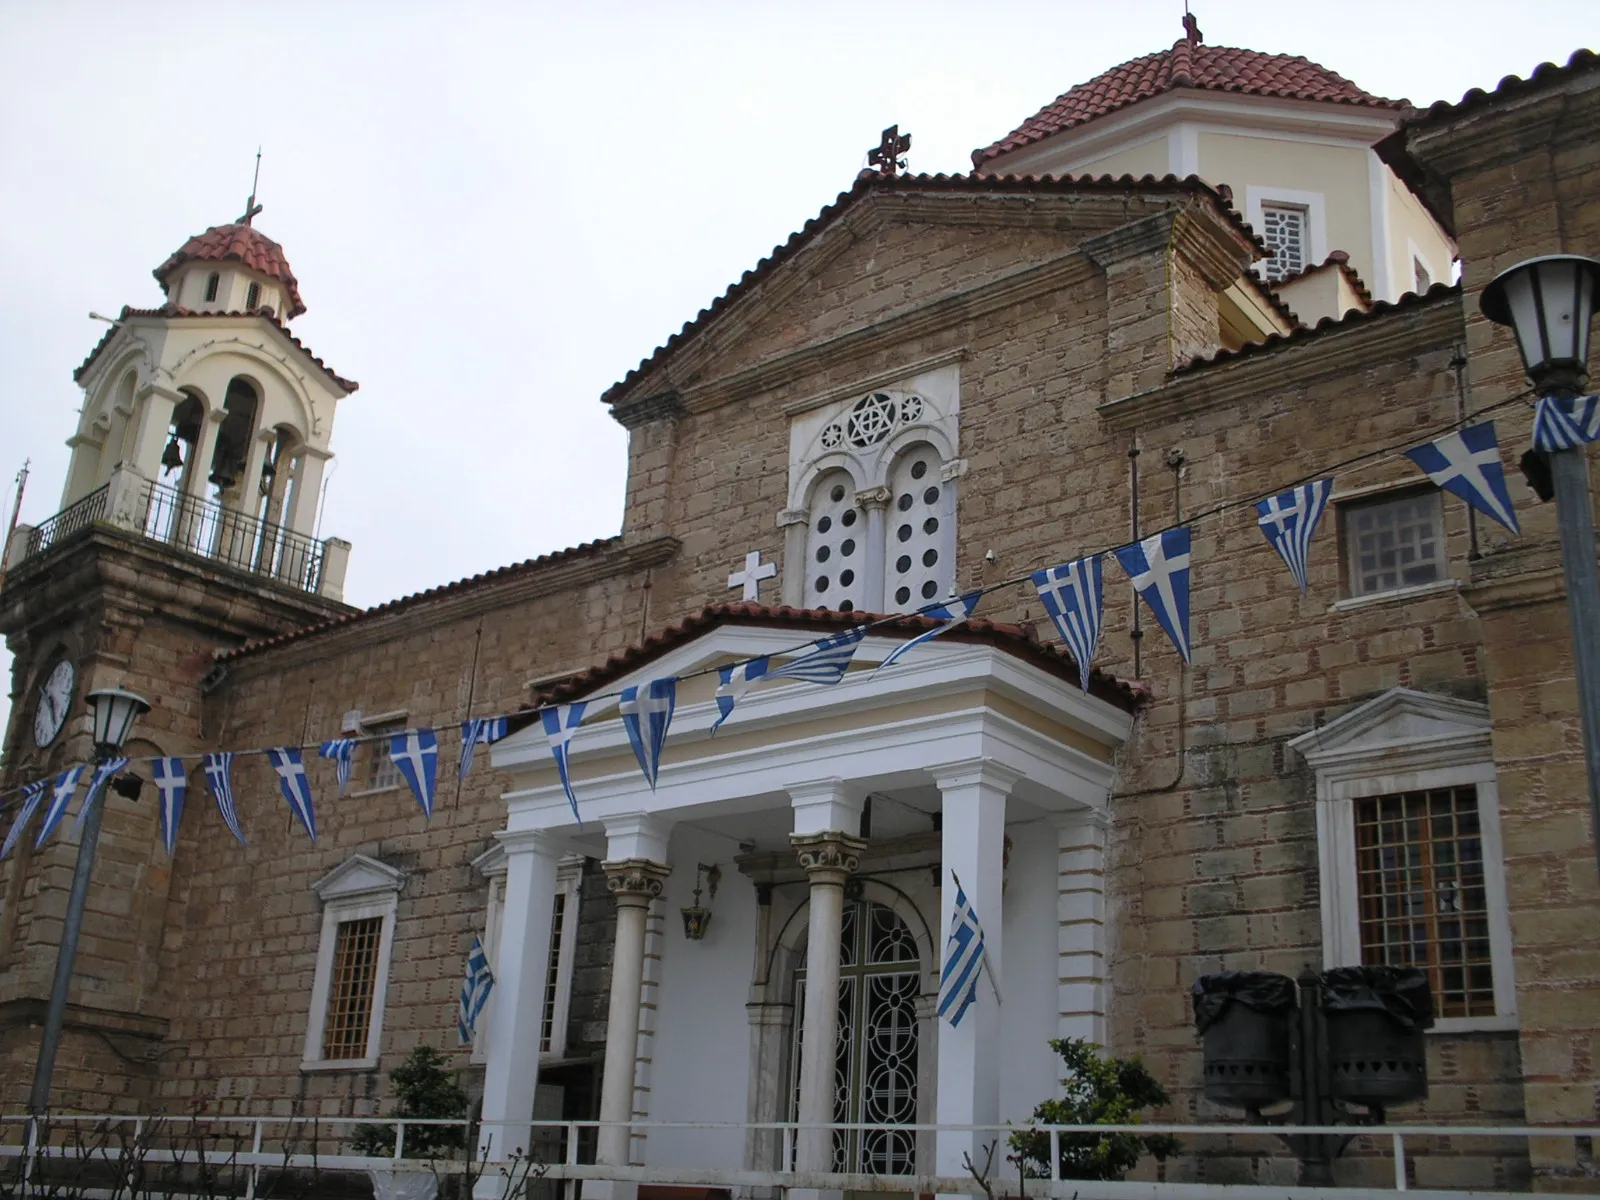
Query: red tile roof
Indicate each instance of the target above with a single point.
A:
(175, 312)
(807, 622)
(1188, 64)
(1336, 258)
(1511, 85)
(869, 182)
(242, 244)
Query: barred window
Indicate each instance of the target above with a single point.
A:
(355, 971)
(1394, 542)
(1283, 229)
(1420, 884)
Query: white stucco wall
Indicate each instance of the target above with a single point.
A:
(1029, 976)
(701, 1057)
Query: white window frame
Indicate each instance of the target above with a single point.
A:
(1407, 741)
(359, 889)
(1316, 206)
(367, 724)
(569, 877)
(1346, 505)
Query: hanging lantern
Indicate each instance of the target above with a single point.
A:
(114, 713)
(172, 456)
(696, 917)
(1548, 302)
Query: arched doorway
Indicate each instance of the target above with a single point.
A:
(875, 1080)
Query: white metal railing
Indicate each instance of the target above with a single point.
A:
(286, 1156)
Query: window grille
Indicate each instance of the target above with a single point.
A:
(1394, 542)
(211, 287)
(1283, 229)
(553, 975)
(382, 773)
(252, 297)
(918, 565)
(835, 546)
(1420, 883)
(1420, 276)
(355, 968)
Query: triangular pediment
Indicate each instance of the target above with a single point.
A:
(1399, 720)
(358, 875)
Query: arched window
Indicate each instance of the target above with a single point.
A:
(836, 546)
(211, 287)
(875, 1073)
(919, 549)
(252, 298)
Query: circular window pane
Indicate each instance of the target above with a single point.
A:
(849, 518)
(931, 496)
(838, 493)
(904, 503)
(931, 525)
(903, 533)
(847, 606)
(832, 436)
(824, 524)
(929, 557)
(822, 583)
(822, 553)
(902, 595)
(929, 590)
(918, 470)
(847, 547)
(846, 578)
(903, 563)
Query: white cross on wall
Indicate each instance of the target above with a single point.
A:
(750, 578)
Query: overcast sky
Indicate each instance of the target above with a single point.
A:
(496, 210)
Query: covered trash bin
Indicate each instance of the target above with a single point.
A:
(1376, 1017)
(1243, 1017)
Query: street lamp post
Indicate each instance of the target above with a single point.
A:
(1549, 303)
(114, 713)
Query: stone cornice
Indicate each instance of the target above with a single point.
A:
(1523, 576)
(1218, 251)
(665, 406)
(1292, 364)
(1134, 240)
(863, 384)
(1479, 138)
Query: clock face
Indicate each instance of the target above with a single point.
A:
(55, 701)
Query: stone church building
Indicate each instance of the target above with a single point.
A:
(1201, 277)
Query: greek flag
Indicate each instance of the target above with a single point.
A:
(1562, 422)
(296, 787)
(61, 793)
(475, 989)
(480, 731)
(97, 784)
(560, 723)
(963, 959)
(646, 713)
(951, 614)
(1467, 464)
(172, 786)
(828, 660)
(1159, 569)
(415, 754)
(1290, 521)
(32, 797)
(1074, 596)
(736, 681)
(219, 777)
(342, 751)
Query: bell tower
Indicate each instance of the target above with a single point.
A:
(188, 525)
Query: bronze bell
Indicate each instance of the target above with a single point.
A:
(172, 456)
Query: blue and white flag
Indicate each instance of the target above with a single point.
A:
(560, 723)
(1074, 596)
(826, 660)
(415, 754)
(1159, 569)
(296, 787)
(952, 613)
(1290, 521)
(342, 751)
(736, 681)
(480, 731)
(1562, 422)
(172, 788)
(32, 797)
(103, 773)
(963, 959)
(61, 793)
(475, 989)
(646, 713)
(219, 777)
(1467, 464)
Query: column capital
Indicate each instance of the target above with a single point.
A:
(635, 879)
(976, 772)
(830, 853)
(870, 498)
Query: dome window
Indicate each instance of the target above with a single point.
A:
(252, 298)
(211, 287)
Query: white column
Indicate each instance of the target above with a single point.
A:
(636, 871)
(522, 960)
(973, 847)
(875, 503)
(1081, 908)
(826, 821)
(796, 526)
(155, 425)
(197, 475)
(302, 514)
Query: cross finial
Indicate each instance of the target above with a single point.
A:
(887, 157)
(1191, 27)
(251, 208)
(749, 579)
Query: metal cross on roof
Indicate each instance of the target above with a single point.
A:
(887, 157)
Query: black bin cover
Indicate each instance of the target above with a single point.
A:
(1401, 992)
(1260, 990)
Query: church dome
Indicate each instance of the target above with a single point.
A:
(237, 243)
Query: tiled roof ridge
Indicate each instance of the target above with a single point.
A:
(1379, 309)
(1336, 258)
(1184, 64)
(1107, 687)
(869, 182)
(402, 603)
(178, 312)
(233, 241)
(1509, 85)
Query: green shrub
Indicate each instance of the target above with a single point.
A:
(423, 1089)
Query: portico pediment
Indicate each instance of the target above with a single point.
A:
(1400, 724)
(358, 875)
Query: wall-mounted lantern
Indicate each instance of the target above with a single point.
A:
(696, 917)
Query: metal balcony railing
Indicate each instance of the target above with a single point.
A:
(68, 521)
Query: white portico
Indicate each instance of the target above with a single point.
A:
(838, 818)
